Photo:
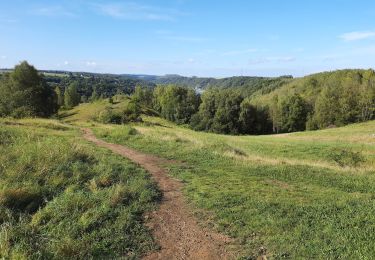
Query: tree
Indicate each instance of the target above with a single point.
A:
(94, 96)
(175, 103)
(367, 97)
(275, 113)
(142, 96)
(60, 97)
(254, 120)
(226, 119)
(327, 108)
(203, 120)
(294, 111)
(24, 92)
(71, 96)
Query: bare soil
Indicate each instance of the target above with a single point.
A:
(174, 226)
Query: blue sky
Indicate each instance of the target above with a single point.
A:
(189, 37)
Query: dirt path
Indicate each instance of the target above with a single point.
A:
(173, 225)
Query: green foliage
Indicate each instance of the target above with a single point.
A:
(129, 113)
(71, 96)
(142, 96)
(226, 119)
(347, 157)
(225, 111)
(94, 96)
(108, 116)
(294, 111)
(60, 97)
(24, 93)
(174, 103)
(246, 85)
(104, 85)
(254, 120)
(334, 98)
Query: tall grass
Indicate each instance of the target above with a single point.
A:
(63, 198)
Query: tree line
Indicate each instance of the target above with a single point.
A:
(315, 102)
(338, 102)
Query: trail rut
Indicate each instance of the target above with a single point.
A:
(174, 227)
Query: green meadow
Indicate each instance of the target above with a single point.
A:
(299, 195)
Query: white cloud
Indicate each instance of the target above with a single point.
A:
(91, 64)
(66, 63)
(239, 52)
(356, 36)
(134, 11)
(3, 57)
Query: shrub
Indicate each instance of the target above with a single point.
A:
(130, 113)
(347, 157)
(108, 116)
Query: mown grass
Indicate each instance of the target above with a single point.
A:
(281, 194)
(61, 197)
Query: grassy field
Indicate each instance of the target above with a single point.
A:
(61, 197)
(300, 195)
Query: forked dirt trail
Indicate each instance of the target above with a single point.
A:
(173, 225)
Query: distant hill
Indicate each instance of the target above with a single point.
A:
(247, 85)
(309, 87)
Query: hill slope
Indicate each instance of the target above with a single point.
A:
(284, 195)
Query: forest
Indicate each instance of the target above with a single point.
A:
(237, 105)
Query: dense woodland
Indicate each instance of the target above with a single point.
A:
(237, 105)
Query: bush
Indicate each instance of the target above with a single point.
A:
(108, 116)
(347, 157)
(130, 113)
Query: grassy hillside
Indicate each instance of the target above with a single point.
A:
(61, 197)
(89, 111)
(300, 195)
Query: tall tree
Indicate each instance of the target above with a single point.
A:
(226, 119)
(60, 96)
(294, 111)
(71, 96)
(24, 92)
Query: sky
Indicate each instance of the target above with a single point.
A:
(189, 37)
